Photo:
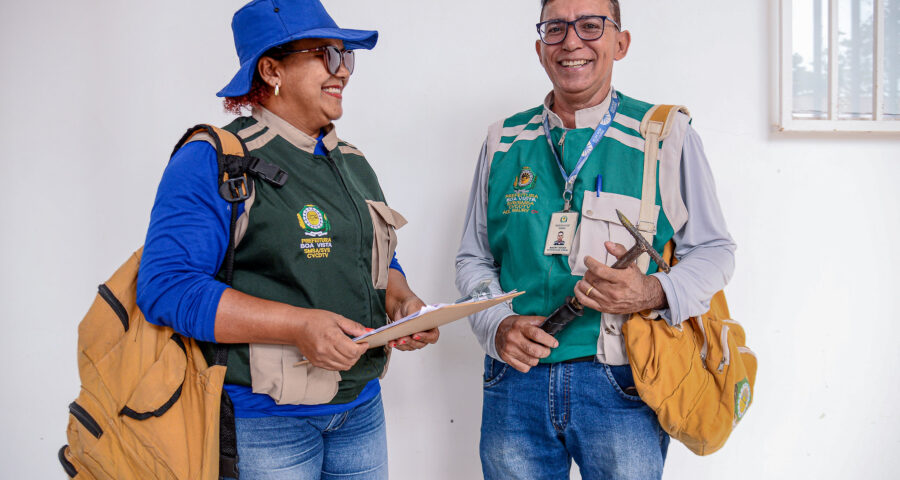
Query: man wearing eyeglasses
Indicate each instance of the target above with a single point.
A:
(549, 400)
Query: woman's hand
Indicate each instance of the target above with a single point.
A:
(415, 341)
(322, 337)
(400, 302)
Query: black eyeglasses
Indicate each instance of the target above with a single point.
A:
(588, 27)
(333, 57)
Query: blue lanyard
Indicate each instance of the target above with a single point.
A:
(592, 143)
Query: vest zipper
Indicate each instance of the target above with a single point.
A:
(340, 177)
(562, 146)
(548, 306)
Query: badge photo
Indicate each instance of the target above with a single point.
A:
(561, 233)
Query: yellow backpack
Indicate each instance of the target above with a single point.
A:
(149, 403)
(149, 406)
(698, 377)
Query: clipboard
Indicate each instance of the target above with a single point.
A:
(430, 317)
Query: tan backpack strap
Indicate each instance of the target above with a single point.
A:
(225, 142)
(655, 127)
(220, 139)
(231, 144)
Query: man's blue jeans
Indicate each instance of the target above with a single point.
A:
(534, 424)
(350, 446)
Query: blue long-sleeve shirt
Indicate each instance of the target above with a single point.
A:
(184, 249)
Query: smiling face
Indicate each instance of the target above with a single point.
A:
(581, 71)
(309, 96)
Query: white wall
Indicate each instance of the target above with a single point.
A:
(95, 94)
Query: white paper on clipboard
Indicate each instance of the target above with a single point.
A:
(429, 317)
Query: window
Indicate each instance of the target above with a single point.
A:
(840, 65)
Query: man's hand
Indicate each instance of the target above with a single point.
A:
(618, 291)
(408, 306)
(322, 337)
(521, 343)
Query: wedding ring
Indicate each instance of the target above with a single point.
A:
(588, 293)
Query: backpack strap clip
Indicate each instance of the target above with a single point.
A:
(266, 171)
(235, 190)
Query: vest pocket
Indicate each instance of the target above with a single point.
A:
(610, 343)
(385, 221)
(599, 223)
(273, 373)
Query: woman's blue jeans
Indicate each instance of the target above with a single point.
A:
(534, 424)
(349, 446)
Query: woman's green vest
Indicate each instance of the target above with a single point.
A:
(309, 244)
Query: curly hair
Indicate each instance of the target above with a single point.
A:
(613, 6)
(259, 90)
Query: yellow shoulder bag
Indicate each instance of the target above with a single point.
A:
(698, 376)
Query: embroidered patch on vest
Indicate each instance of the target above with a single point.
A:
(742, 399)
(521, 200)
(524, 180)
(315, 224)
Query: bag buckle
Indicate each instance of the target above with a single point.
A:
(235, 189)
(267, 171)
(647, 227)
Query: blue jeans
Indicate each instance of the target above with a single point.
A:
(350, 446)
(534, 424)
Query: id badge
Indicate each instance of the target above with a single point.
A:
(561, 233)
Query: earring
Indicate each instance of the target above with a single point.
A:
(276, 89)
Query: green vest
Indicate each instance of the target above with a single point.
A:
(309, 243)
(518, 213)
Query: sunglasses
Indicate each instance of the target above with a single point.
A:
(332, 55)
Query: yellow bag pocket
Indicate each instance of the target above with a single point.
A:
(86, 428)
(162, 384)
(155, 412)
(385, 221)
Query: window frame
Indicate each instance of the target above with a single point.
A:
(786, 119)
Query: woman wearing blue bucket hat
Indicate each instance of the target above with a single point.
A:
(315, 267)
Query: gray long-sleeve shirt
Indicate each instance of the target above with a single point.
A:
(703, 245)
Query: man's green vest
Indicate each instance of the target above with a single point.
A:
(518, 212)
(309, 243)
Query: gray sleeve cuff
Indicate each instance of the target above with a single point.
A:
(671, 299)
(703, 245)
(484, 324)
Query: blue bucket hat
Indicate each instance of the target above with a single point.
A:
(263, 24)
